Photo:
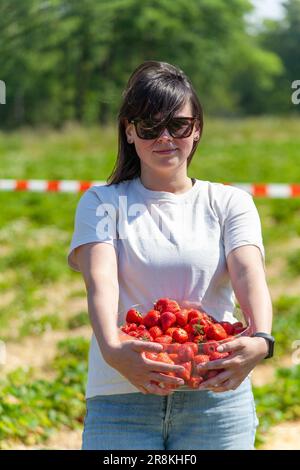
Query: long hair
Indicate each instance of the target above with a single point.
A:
(154, 87)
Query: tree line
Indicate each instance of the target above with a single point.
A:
(65, 60)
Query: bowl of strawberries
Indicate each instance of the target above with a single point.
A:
(189, 335)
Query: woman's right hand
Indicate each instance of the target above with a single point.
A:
(127, 358)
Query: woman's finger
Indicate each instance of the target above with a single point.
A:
(217, 364)
(157, 390)
(234, 345)
(216, 381)
(140, 346)
(142, 390)
(226, 386)
(163, 367)
(168, 379)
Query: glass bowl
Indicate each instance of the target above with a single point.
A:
(204, 337)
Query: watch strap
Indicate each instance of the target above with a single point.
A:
(270, 339)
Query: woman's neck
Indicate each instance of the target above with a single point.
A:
(175, 186)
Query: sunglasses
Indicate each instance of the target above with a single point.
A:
(179, 128)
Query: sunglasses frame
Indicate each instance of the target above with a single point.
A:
(165, 126)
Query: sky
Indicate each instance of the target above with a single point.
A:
(267, 9)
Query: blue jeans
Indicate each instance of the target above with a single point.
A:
(192, 420)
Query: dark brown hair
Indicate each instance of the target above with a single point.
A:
(154, 87)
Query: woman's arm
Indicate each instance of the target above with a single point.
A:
(248, 279)
(98, 265)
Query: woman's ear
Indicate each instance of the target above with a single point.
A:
(197, 132)
(128, 131)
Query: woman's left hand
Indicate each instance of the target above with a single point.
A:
(245, 354)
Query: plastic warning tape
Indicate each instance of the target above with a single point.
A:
(270, 190)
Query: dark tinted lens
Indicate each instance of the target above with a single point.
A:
(147, 129)
(180, 127)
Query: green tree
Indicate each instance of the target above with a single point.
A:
(283, 38)
(70, 59)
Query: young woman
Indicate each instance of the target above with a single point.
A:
(154, 232)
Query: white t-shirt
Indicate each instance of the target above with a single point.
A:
(167, 245)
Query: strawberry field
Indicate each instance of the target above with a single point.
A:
(43, 310)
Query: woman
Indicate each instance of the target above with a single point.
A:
(154, 232)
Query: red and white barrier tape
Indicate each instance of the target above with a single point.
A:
(72, 186)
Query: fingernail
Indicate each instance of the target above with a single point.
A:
(220, 348)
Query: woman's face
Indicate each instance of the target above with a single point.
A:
(164, 152)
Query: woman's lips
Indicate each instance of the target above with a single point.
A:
(165, 152)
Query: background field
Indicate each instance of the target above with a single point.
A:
(43, 312)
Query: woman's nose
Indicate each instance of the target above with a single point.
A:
(165, 135)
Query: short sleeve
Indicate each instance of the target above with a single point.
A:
(242, 224)
(95, 221)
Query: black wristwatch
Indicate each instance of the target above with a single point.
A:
(270, 340)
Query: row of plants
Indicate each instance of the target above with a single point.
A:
(32, 409)
(278, 401)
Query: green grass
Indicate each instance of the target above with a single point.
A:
(252, 149)
(81, 319)
(31, 409)
(73, 153)
(278, 401)
(286, 327)
(36, 230)
(35, 327)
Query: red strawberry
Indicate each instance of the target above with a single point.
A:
(193, 346)
(198, 339)
(164, 339)
(167, 319)
(201, 359)
(191, 338)
(170, 331)
(217, 355)
(144, 335)
(174, 357)
(166, 305)
(239, 329)
(200, 326)
(228, 327)
(216, 331)
(195, 313)
(155, 331)
(189, 329)
(173, 348)
(186, 373)
(125, 328)
(185, 353)
(209, 347)
(182, 317)
(151, 318)
(132, 327)
(141, 328)
(164, 357)
(133, 333)
(237, 324)
(151, 355)
(134, 316)
(180, 335)
(194, 382)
